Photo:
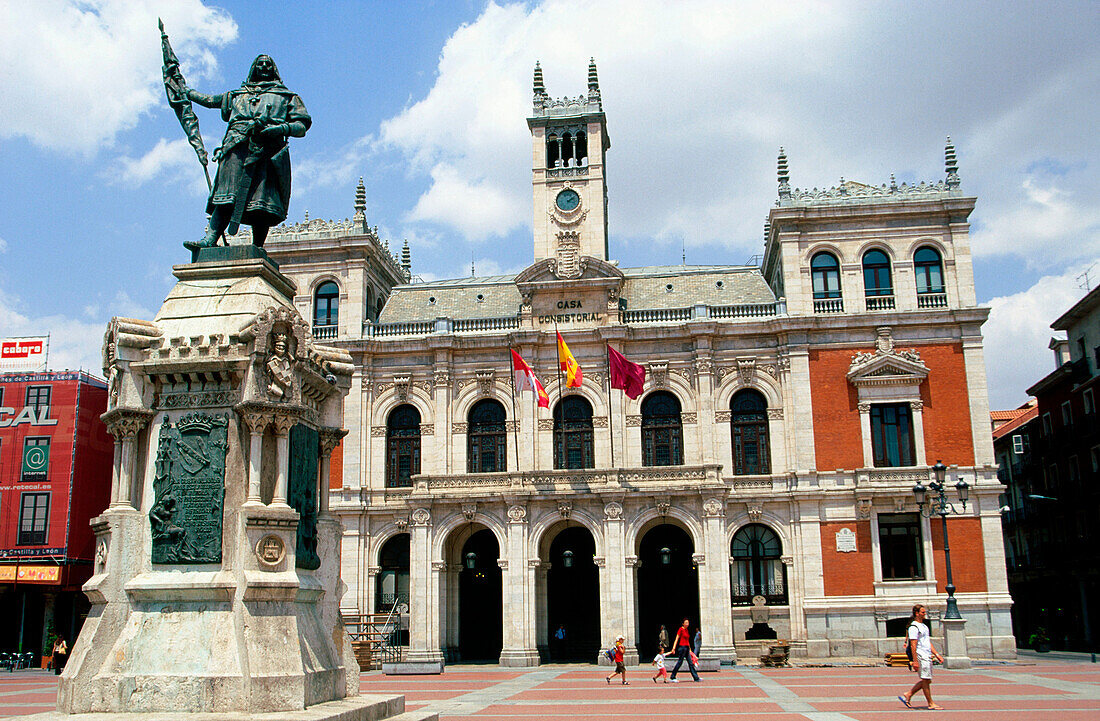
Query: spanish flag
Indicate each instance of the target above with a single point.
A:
(573, 375)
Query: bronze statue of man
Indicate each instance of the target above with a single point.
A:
(252, 185)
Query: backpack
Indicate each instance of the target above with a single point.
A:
(908, 644)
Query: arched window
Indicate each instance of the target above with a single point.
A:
(567, 157)
(757, 568)
(553, 151)
(876, 274)
(326, 304)
(573, 433)
(928, 267)
(486, 439)
(662, 430)
(825, 274)
(402, 446)
(368, 305)
(582, 148)
(749, 428)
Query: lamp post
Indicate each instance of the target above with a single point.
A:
(937, 505)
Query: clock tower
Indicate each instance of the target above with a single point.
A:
(570, 142)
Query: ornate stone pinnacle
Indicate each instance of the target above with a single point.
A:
(593, 80)
(406, 259)
(893, 183)
(767, 230)
(951, 164)
(360, 215)
(784, 175)
(539, 87)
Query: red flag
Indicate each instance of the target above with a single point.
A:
(626, 376)
(526, 380)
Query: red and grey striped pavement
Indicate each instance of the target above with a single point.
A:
(1031, 689)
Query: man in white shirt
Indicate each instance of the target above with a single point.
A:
(919, 643)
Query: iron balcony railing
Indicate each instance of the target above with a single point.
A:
(774, 592)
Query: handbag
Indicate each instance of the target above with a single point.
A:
(694, 658)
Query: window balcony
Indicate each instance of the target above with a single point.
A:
(324, 332)
(932, 300)
(880, 302)
(774, 592)
(829, 305)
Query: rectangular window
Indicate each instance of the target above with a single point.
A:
(34, 516)
(1067, 415)
(39, 397)
(1074, 471)
(892, 435)
(1018, 444)
(1094, 456)
(36, 459)
(1052, 476)
(900, 547)
(1088, 402)
(1048, 428)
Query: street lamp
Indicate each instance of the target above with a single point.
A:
(937, 505)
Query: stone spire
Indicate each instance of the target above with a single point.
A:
(593, 82)
(784, 176)
(539, 88)
(406, 260)
(951, 164)
(767, 231)
(360, 216)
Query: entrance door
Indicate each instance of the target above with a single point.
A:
(668, 586)
(573, 597)
(480, 609)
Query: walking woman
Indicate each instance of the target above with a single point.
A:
(683, 652)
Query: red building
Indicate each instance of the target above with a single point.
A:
(55, 475)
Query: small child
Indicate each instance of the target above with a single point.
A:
(659, 663)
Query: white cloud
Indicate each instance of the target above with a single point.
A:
(172, 159)
(1018, 333)
(78, 72)
(3, 245)
(699, 95)
(75, 343)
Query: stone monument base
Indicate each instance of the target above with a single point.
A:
(357, 708)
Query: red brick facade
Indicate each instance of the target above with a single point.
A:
(967, 554)
(850, 573)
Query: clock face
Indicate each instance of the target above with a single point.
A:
(568, 200)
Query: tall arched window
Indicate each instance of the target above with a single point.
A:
(553, 151)
(573, 433)
(876, 274)
(326, 304)
(402, 446)
(368, 304)
(928, 267)
(757, 568)
(662, 430)
(582, 148)
(486, 439)
(749, 429)
(825, 274)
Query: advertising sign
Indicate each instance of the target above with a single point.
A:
(23, 354)
(38, 574)
(7, 574)
(36, 459)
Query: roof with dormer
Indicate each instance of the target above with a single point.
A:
(644, 288)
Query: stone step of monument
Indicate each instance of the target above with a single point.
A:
(367, 707)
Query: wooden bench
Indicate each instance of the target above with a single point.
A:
(897, 659)
(778, 654)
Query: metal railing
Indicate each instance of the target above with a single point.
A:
(829, 305)
(880, 302)
(774, 592)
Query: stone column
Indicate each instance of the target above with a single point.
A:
(704, 386)
(714, 584)
(540, 569)
(801, 428)
(954, 643)
(124, 424)
(519, 642)
(441, 397)
(283, 423)
(257, 423)
(329, 438)
(864, 409)
(631, 564)
(372, 590)
(613, 578)
(423, 655)
(916, 408)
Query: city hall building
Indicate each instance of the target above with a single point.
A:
(760, 485)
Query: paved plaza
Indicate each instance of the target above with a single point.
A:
(1035, 688)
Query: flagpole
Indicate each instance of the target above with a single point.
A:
(515, 417)
(610, 409)
(557, 352)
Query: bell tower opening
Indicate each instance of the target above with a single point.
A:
(570, 193)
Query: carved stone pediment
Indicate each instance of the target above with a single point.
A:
(547, 270)
(887, 365)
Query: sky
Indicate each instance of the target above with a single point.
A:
(427, 102)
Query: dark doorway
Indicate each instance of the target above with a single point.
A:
(480, 613)
(573, 597)
(668, 585)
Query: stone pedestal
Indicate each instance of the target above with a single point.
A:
(954, 643)
(216, 587)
